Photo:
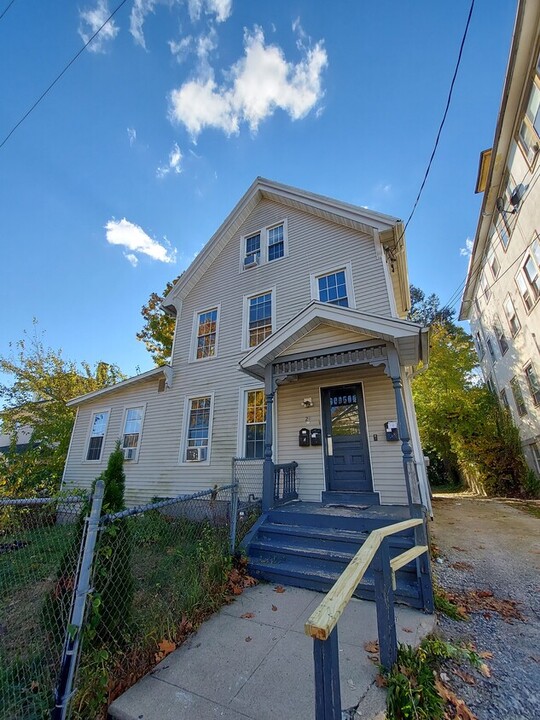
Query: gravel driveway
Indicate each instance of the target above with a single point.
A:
(498, 549)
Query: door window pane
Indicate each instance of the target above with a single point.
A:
(344, 416)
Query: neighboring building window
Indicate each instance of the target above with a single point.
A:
(511, 315)
(198, 432)
(332, 288)
(528, 278)
(259, 318)
(480, 346)
(493, 262)
(518, 396)
(501, 337)
(535, 449)
(533, 382)
(484, 287)
(206, 333)
(504, 233)
(252, 254)
(97, 435)
(529, 131)
(131, 440)
(491, 349)
(255, 423)
(489, 383)
(504, 399)
(276, 242)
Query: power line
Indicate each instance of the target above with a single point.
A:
(57, 78)
(6, 9)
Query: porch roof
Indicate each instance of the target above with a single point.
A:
(410, 339)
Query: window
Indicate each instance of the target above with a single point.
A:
(535, 449)
(501, 337)
(255, 422)
(533, 382)
(511, 315)
(259, 322)
(131, 439)
(207, 322)
(504, 400)
(479, 346)
(518, 396)
(276, 242)
(490, 384)
(252, 255)
(484, 287)
(493, 263)
(529, 131)
(528, 278)
(198, 429)
(332, 288)
(491, 349)
(98, 428)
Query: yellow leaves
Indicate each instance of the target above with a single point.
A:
(166, 647)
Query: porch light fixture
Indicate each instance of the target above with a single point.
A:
(307, 402)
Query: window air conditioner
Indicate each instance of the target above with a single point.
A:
(194, 454)
(129, 453)
(251, 260)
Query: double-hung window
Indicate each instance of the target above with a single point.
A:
(533, 382)
(479, 346)
(252, 255)
(98, 429)
(131, 437)
(207, 324)
(528, 278)
(198, 429)
(504, 399)
(491, 350)
(529, 131)
(332, 288)
(511, 315)
(276, 242)
(501, 337)
(484, 287)
(518, 396)
(255, 423)
(493, 263)
(259, 318)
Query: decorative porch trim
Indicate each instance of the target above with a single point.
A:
(329, 359)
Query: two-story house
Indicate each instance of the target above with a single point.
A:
(291, 353)
(502, 291)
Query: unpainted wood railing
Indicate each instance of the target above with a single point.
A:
(322, 624)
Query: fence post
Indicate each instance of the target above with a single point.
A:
(327, 689)
(384, 599)
(72, 640)
(423, 563)
(234, 514)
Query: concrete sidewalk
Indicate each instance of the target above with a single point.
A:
(261, 667)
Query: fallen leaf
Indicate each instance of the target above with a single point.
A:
(237, 590)
(279, 589)
(462, 711)
(274, 608)
(459, 549)
(460, 565)
(34, 686)
(248, 639)
(380, 681)
(372, 646)
(486, 654)
(248, 616)
(465, 677)
(407, 630)
(484, 593)
(484, 669)
(166, 646)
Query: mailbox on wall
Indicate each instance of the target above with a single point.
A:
(303, 437)
(391, 430)
(316, 436)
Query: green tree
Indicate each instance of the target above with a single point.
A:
(158, 329)
(39, 383)
(428, 310)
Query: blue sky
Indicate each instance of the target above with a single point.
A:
(136, 156)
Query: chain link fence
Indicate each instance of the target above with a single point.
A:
(39, 556)
(247, 474)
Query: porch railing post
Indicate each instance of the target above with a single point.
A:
(384, 599)
(327, 689)
(421, 536)
(268, 468)
(404, 436)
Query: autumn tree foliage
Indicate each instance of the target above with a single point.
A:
(38, 383)
(158, 329)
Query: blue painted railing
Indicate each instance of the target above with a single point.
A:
(322, 624)
(285, 483)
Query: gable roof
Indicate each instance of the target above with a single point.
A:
(352, 216)
(410, 339)
(164, 370)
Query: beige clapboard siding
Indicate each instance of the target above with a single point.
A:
(324, 336)
(386, 458)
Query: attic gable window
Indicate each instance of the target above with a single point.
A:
(276, 242)
(252, 254)
(98, 429)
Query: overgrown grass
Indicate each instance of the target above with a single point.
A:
(445, 605)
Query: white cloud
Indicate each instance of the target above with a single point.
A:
(132, 135)
(173, 164)
(91, 20)
(133, 238)
(131, 258)
(139, 11)
(221, 8)
(202, 46)
(181, 48)
(257, 84)
(467, 250)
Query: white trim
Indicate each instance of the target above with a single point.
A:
(176, 323)
(192, 358)
(386, 272)
(242, 407)
(245, 347)
(185, 427)
(349, 283)
(123, 428)
(267, 229)
(69, 450)
(243, 254)
(165, 370)
(95, 412)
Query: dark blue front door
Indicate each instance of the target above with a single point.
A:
(346, 444)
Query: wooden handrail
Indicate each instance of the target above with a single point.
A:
(324, 619)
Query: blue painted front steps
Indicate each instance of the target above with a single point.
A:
(311, 549)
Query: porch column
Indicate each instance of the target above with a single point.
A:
(268, 466)
(404, 436)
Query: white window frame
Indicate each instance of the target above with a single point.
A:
(242, 416)
(524, 284)
(194, 334)
(485, 290)
(243, 248)
(245, 316)
(529, 365)
(263, 254)
(513, 316)
(133, 406)
(185, 429)
(349, 284)
(285, 240)
(89, 434)
(493, 263)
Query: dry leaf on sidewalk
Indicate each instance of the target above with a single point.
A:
(247, 616)
(372, 646)
(279, 589)
(484, 669)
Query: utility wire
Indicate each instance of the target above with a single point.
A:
(6, 9)
(57, 78)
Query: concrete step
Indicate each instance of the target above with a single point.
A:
(337, 518)
(350, 498)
